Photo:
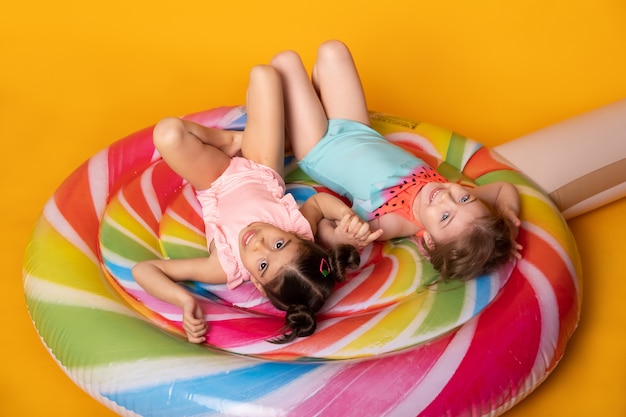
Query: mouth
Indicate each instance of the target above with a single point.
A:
(433, 194)
(247, 237)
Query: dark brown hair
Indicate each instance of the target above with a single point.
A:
(302, 287)
(480, 250)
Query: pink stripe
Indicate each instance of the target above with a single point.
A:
(500, 358)
(385, 382)
(153, 303)
(166, 183)
(129, 155)
(546, 259)
(233, 333)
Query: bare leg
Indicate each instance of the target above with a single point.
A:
(334, 92)
(305, 119)
(264, 136)
(580, 162)
(194, 151)
(337, 80)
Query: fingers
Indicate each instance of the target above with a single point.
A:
(193, 322)
(374, 235)
(356, 228)
(352, 230)
(512, 217)
(517, 251)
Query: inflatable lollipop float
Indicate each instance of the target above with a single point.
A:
(389, 341)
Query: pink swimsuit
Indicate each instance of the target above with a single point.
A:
(246, 193)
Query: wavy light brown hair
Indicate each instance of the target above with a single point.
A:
(480, 250)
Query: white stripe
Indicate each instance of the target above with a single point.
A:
(558, 248)
(469, 150)
(123, 376)
(128, 208)
(439, 375)
(419, 140)
(292, 395)
(182, 242)
(149, 193)
(116, 226)
(238, 409)
(190, 197)
(550, 324)
(52, 214)
(53, 293)
(98, 174)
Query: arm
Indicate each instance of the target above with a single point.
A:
(159, 278)
(333, 222)
(504, 197)
(394, 225)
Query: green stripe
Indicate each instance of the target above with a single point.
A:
(506, 175)
(297, 175)
(447, 307)
(456, 149)
(180, 251)
(452, 174)
(119, 242)
(85, 337)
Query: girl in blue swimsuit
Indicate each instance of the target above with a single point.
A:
(465, 231)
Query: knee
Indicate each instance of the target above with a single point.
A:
(286, 60)
(264, 74)
(168, 133)
(332, 50)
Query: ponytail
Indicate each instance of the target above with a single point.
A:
(303, 286)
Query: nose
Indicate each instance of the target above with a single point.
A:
(454, 192)
(259, 243)
(445, 195)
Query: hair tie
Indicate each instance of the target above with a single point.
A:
(325, 267)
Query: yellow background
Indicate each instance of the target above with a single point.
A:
(77, 75)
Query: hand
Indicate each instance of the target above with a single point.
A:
(516, 252)
(352, 230)
(515, 222)
(193, 321)
(511, 216)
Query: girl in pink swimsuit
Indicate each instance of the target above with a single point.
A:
(255, 231)
(465, 231)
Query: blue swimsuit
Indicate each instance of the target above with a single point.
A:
(357, 162)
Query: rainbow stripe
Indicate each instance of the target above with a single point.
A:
(472, 349)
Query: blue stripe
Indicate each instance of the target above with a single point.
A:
(238, 124)
(300, 193)
(118, 271)
(204, 395)
(483, 292)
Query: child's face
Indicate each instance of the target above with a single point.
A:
(447, 210)
(265, 249)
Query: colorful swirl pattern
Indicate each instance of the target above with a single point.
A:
(473, 349)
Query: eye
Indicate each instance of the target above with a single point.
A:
(464, 199)
(445, 216)
(279, 244)
(262, 265)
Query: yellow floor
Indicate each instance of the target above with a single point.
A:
(76, 76)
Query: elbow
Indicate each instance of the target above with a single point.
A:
(138, 272)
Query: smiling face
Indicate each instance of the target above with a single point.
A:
(447, 210)
(265, 249)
